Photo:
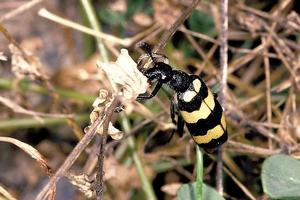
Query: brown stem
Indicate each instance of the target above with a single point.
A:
(75, 152)
(169, 33)
(224, 68)
(99, 185)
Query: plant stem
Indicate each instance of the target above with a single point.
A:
(91, 15)
(147, 187)
(27, 86)
(13, 124)
(81, 145)
(224, 75)
(199, 179)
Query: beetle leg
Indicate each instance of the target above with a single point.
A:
(180, 125)
(173, 110)
(143, 97)
(173, 107)
(119, 109)
(215, 95)
(179, 122)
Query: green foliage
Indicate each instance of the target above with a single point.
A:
(114, 18)
(281, 177)
(198, 22)
(188, 49)
(202, 22)
(136, 6)
(198, 190)
(89, 45)
(188, 192)
(111, 17)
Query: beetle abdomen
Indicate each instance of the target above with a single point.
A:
(203, 115)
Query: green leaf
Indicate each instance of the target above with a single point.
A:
(281, 177)
(202, 22)
(112, 18)
(188, 192)
(135, 6)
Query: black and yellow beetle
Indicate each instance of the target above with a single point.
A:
(195, 105)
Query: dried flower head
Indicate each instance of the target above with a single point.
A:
(83, 183)
(124, 72)
(98, 111)
(101, 99)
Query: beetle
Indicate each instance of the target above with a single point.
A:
(194, 105)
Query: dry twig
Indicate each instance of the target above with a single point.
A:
(25, 7)
(169, 33)
(224, 68)
(19, 109)
(76, 151)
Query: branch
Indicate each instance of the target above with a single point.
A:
(169, 33)
(100, 172)
(77, 150)
(224, 68)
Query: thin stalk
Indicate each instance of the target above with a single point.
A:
(224, 75)
(23, 123)
(147, 187)
(65, 22)
(28, 86)
(91, 15)
(199, 169)
(171, 31)
(224, 51)
(21, 9)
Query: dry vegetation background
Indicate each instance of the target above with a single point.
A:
(49, 80)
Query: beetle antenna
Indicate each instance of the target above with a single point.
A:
(147, 49)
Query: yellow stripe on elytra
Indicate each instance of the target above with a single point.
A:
(223, 121)
(189, 95)
(214, 133)
(197, 85)
(207, 105)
